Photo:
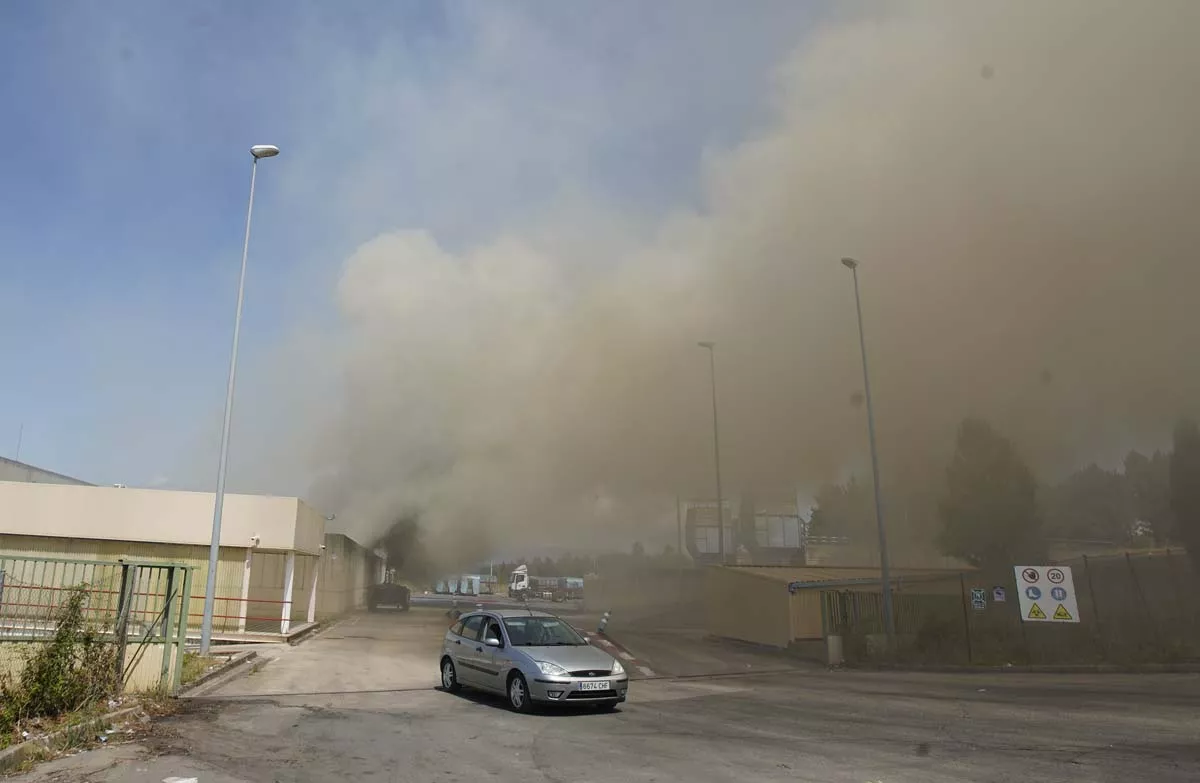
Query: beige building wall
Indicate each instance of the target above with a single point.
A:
(743, 602)
(740, 604)
(343, 574)
(806, 619)
(158, 516)
(229, 566)
(145, 675)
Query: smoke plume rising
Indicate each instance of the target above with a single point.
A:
(1015, 179)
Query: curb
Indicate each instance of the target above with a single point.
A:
(235, 660)
(12, 758)
(307, 633)
(219, 676)
(633, 666)
(1096, 668)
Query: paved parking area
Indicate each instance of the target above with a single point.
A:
(358, 703)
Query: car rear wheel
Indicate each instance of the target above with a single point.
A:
(518, 693)
(450, 682)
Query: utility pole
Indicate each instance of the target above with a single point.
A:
(712, 363)
(889, 622)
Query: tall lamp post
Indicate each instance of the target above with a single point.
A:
(712, 363)
(257, 152)
(889, 625)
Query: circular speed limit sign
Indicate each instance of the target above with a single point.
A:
(1055, 575)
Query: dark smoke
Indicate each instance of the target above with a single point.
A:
(1027, 250)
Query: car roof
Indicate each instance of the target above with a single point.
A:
(518, 613)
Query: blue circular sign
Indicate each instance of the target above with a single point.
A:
(1033, 593)
(1058, 593)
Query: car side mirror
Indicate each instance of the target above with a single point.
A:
(492, 641)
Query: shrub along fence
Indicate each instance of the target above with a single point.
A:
(133, 611)
(1133, 608)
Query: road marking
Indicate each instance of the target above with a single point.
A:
(646, 671)
(625, 656)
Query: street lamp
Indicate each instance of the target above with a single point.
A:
(257, 152)
(712, 362)
(889, 625)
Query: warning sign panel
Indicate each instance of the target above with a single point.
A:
(1040, 582)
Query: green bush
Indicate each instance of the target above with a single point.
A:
(74, 670)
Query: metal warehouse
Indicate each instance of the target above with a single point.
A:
(278, 568)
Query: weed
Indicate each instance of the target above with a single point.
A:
(73, 670)
(194, 665)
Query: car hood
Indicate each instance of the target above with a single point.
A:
(574, 658)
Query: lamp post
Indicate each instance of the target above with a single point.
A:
(257, 152)
(889, 625)
(712, 363)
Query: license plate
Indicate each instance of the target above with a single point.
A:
(595, 685)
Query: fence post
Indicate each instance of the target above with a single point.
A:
(1142, 598)
(185, 609)
(168, 627)
(962, 592)
(1100, 640)
(121, 629)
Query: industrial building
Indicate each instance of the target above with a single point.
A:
(11, 470)
(278, 567)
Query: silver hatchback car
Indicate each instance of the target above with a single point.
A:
(530, 657)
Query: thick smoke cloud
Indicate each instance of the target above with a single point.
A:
(1017, 180)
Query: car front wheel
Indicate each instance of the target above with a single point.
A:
(518, 693)
(450, 682)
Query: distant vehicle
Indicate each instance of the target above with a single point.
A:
(522, 586)
(531, 658)
(388, 593)
(466, 584)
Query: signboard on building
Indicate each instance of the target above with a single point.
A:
(1047, 594)
(978, 599)
(999, 594)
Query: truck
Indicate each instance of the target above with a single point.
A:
(388, 593)
(522, 586)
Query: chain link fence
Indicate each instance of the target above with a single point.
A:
(1133, 608)
(138, 607)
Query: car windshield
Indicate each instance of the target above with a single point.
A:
(541, 632)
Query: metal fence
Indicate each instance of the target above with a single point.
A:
(139, 606)
(1133, 608)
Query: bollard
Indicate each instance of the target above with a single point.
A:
(603, 622)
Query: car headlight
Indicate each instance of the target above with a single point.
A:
(552, 669)
(617, 667)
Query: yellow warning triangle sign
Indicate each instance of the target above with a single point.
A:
(1036, 613)
(1061, 613)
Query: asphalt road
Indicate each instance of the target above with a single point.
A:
(358, 703)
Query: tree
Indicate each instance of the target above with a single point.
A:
(989, 513)
(1185, 488)
(1091, 503)
(1149, 482)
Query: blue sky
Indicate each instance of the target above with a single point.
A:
(125, 175)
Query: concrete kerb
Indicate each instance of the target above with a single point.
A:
(12, 758)
(307, 632)
(1097, 668)
(237, 666)
(236, 661)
